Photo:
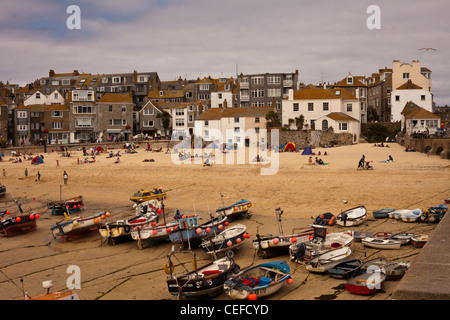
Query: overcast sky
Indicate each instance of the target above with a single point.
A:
(323, 39)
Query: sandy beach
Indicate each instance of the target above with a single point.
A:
(303, 191)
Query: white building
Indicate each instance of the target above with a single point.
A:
(409, 92)
(40, 98)
(324, 108)
(416, 119)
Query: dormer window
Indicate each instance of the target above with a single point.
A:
(349, 80)
(161, 93)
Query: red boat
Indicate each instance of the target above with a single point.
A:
(366, 283)
(11, 226)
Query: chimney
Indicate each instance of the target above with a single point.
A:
(134, 76)
(76, 73)
(291, 94)
(225, 104)
(51, 73)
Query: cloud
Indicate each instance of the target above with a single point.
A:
(199, 37)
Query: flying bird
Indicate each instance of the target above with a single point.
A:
(427, 49)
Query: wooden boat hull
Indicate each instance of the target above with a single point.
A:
(273, 273)
(270, 246)
(382, 213)
(77, 227)
(366, 284)
(236, 210)
(352, 217)
(10, 227)
(208, 279)
(419, 241)
(229, 239)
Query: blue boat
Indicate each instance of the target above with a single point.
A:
(190, 232)
(382, 213)
(2, 190)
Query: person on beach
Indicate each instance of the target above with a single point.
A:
(66, 177)
(26, 172)
(39, 176)
(361, 162)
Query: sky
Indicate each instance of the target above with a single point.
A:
(324, 39)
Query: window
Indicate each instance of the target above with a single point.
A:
(38, 95)
(57, 114)
(110, 108)
(66, 82)
(324, 125)
(397, 98)
(206, 133)
(148, 123)
(219, 96)
(236, 120)
(343, 126)
(257, 93)
(179, 122)
(257, 80)
(179, 112)
(274, 79)
(422, 97)
(142, 78)
(350, 80)
(83, 109)
(206, 123)
(56, 96)
(55, 83)
(57, 125)
(349, 107)
(204, 87)
(274, 92)
(124, 109)
(405, 75)
(256, 120)
(256, 130)
(191, 118)
(325, 106)
(116, 79)
(22, 127)
(148, 112)
(82, 81)
(93, 81)
(116, 122)
(105, 80)
(310, 106)
(83, 123)
(35, 114)
(21, 114)
(236, 129)
(295, 107)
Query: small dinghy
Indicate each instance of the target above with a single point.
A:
(419, 240)
(327, 260)
(352, 217)
(231, 238)
(358, 235)
(412, 216)
(402, 237)
(381, 243)
(346, 269)
(434, 214)
(396, 270)
(377, 264)
(71, 205)
(382, 213)
(366, 283)
(261, 280)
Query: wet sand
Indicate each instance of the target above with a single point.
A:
(303, 191)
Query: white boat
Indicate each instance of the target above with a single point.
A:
(352, 217)
(78, 226)
(327, 260)
(229, 239)
(398, 214)
(381, 243)
(146, 234)
(413, 216)
(402, 237)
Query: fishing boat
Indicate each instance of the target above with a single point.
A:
(57, 295)
(148, 234)
(358, 235)
(145, 195)
(374, 265)
(366, 283)
(189, 230)
(208, 279)
(236, 210)
(442, 209)
(396, 270)
(434, 214)
(419, 240)
(72, 205)
(2, 190)
(352, 217)
(12, 226)
(327, 260)
(76, 227)
(447, 200)
(402, 237)
(381, 243)
(412, 216)
(260, 281)
(382, 213)
(320, 243)
(269, 245)
(120, 230)
(346, 269)
(149, 205)
(231, 238)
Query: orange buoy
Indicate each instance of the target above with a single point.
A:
(18, 219)
(276, 241)
(293, 239)
(96, 220)
(252, 296)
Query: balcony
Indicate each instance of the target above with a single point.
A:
(243, 85)
(245, 97)
(287, 83)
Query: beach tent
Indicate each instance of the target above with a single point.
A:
(289, 147)
(99, 149)
(37, 160)
(307, 151)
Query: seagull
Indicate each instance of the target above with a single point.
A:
(427, 49)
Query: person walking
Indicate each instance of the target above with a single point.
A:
(26, 172)
(66, 177)
(39, 175)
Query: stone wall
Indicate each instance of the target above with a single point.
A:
(313, 138)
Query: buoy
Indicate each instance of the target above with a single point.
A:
(159, 211)
(78, 205)
(96, 220)
(183, 216)
(238, 240)
(18, 219)
(208, 229)
(108, 214)
(290, 281)
(153, 223)
(252, 296)
(293, 239)
(154, 231)
(31, 217)
(168, 230)
(220, 227)
(36, 216)
(276, 241)
(198, 230)
(229, 243)
(7, 212)
(102, 217)
(226, 223)
(74, 206)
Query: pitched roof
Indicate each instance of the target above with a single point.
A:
(116, 98)
(412, 110)
(240, 112)
(408, 85)
(340, 116)
(356, 82)
(311, 92)
(167, 94)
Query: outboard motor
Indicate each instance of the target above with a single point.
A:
(298, 251)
